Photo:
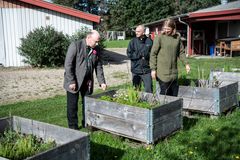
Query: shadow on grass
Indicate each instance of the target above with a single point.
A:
(110, 57)
(187, 82)
(103, 152)
(222, 143)
(188, 123)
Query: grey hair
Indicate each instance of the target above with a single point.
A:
(141, 26)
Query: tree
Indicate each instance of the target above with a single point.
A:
(125, 14)
(69, 3)
(186, 6)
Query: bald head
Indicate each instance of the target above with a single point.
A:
(93, 38)
(94, 33)
(140, 31)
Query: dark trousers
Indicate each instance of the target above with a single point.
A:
(147, 81)
(72, 107)
(169, 88)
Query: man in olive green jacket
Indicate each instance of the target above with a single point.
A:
(167, 48)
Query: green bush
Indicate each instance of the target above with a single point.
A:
(80, 34)
(44, 47)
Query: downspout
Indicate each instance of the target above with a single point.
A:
(179, 19)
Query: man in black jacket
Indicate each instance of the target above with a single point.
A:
(138, 52)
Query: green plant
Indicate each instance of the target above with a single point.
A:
(15, 145)
(44, 47)
(131, 97)
(227, 68)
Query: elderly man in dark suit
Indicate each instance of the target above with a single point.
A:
(83, 57)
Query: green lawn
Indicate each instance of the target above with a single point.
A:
(200, 68)
(116, 44)
(201, 138)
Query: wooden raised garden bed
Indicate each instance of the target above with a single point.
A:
(71, 144)
(213, 101)
(146, 125)
(227, 76)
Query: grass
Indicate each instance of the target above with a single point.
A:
(201, 138)
(15, 145)
(201, 67)
(116, 44)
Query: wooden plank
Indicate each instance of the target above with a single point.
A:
(227, 103)
(227, 76)
(45, 130)
(228, 90)
(126, 128)
(5, 123)
(167, 124)
(200, 105)
(118, 110)
(166, 117)
(167, 109)
(197, 92)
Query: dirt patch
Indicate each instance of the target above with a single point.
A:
(20, 84)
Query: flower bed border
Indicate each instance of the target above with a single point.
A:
(227, 76)
(145, 125)
(71, 144)
(212, 101)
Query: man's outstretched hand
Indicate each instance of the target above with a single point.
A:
(104, 86)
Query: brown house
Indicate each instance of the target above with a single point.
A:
(208, 31)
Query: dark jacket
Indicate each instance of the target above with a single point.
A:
(76, 65)
(138, 52)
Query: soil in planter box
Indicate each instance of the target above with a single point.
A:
(16, 146)
(130, 97)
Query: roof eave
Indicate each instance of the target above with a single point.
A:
(161, 20)
(64, 10)
(214, 13)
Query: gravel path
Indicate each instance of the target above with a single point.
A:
(20, 84)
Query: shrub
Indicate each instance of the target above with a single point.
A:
(44, 47)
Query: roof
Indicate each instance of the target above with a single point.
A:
(228, 11)
(64, 10)
(222, 7)
(161, 20)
